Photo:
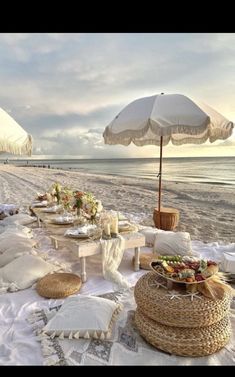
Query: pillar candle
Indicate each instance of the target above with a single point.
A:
(114, 225)
(107, 229)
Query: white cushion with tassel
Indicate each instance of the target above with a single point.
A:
(84, 317)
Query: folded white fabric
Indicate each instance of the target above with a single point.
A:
(112, 253)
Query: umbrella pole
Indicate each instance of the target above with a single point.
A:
(160, 183)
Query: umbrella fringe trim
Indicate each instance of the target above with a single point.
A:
(128, 136)
(11, 147)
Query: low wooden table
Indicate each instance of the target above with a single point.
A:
(83, 249)
(45, 219)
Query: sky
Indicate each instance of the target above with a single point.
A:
(64, 89)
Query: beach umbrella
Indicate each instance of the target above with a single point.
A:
(13, 138)
(159, 119)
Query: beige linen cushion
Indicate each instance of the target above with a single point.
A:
(24, 231)
(150, 234)
(19, 219)
(23, 272)
(172, 243)
(17, 242)
(15, 252)
(84, 317)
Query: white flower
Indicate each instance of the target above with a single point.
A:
(99, 205)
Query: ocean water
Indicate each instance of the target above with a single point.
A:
(205, 170)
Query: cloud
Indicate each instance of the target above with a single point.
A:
(62, 88)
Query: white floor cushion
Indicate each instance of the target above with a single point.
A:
(21, 219)
(23, 272)
(150, 234)
(13, 253)
(16, 241)
(24, 231)
(172, 243)
(84, 317)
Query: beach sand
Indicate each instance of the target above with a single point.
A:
(207, 212)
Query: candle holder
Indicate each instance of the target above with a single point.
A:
(106, 236)
(114, 235)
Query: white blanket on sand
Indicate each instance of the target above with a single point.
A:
(18, 344)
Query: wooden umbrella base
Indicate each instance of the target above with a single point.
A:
(169, 218)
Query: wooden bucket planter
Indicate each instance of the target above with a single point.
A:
(169, 218)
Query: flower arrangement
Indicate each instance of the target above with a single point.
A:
(55, 192)
(78, 199)
(67, 198)
(87, 202)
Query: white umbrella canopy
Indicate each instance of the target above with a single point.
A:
(159, 119)
(13, 138)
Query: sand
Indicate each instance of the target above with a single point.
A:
(207, 212)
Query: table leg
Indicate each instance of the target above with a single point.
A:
(38, 221)
(137, 259)
(83, 269)
(55, 243)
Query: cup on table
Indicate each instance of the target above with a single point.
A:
(106, 230)
(114, 227)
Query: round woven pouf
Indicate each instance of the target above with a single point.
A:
(145, 260)
(58, 285)
(160, 305)
(184, 341)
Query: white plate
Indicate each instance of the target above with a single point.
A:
(81, 232)
(63, 220)
(77, 235)
(123, 224)
(48, 210)
(39, 204)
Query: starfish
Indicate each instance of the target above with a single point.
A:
(157, 284)
(192, 295)
(173, 295)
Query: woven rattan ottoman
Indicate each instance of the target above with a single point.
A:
(174, 323)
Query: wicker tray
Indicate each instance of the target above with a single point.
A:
(153, 263)
(184, 341)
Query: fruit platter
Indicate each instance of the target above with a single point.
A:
(184, 269)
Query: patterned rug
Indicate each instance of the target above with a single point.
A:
(126, 347)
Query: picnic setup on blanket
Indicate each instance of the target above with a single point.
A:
(180, 302)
